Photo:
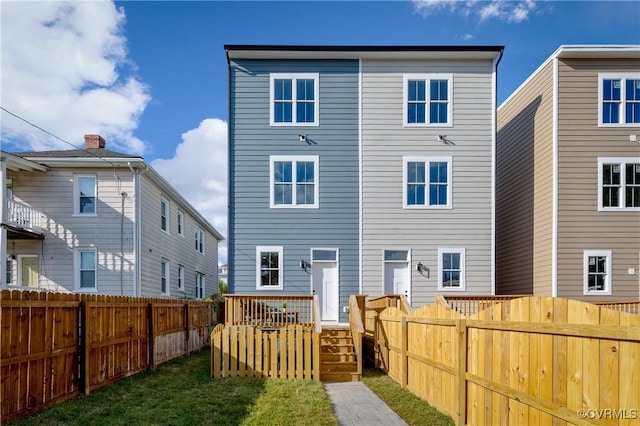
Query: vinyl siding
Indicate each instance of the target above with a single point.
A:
(252, 141)
(524, 189)
(157, 245)
(52, 194)
(580, 225)
(386, 225)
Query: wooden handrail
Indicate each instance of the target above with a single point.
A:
(357, 328)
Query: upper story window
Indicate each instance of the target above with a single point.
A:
(164, 214)
(294, 181)
(618, 184)
(597, 272)
(428, 99)
(269, 268)
(294, 99)
(619, 99)
(199, 240)
(86, 270)
(427, 182)
(451, 269)
(85, 194)
(180, 223)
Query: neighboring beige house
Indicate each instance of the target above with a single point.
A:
(98, 221)
(568, 178)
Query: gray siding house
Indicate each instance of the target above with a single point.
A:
(98, 221)
(361, 169)
(568, 189)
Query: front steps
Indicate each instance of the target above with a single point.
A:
(338, 361)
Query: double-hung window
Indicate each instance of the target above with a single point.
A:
(180, 277)
(451, 269)
(164, 277)
(294, 181)
(597, 272)
(199, 240)
(427, 182)
(269, 268)
(294, 99)
(619, 97)
(180, 223)
(164, 214)
(86, 270)
(618, 184)
(199, 285)
(85, 194)
(428, 99)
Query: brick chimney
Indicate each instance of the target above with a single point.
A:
(93, 141)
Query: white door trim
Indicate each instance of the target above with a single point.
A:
(21, 257)
(408, 262)
(336, 262)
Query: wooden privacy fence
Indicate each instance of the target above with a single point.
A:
(56, 345)
(525, 361)
(291, 352)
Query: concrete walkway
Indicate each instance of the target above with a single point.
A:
(354, 404)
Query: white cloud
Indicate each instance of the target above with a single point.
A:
(61, 68)
(198, 171)
(509, 11)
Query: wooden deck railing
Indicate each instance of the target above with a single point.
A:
(632, 307)
(470, 305)
(399, 301)
(356, 313)
(270, 311)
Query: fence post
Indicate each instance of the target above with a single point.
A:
(85, 348)
(462, 330)
(404, 359)
(186, 329)
(152, 337)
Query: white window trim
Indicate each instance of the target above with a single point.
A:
(167, 277)
(279, 249)
(294, 159)
(427, 160)
(180, 223)
(585, 272)
(76, 269)
(200, 238)
(164, 200)
(427, 78)
(463, 268)
(615, 76)
(200, 279)
(76, 195)
(295, 76)
(180, 277)
(615, 160)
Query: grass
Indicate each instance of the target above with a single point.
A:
(412, 409)
(181, 392)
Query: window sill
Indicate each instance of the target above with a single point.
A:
(421, 207)
(269, 288)
(86, 290)
(85, 215)
(314, 124)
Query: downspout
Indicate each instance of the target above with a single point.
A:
(554, 207)
(3, 220)
(230, 188)
(494, 142)
(136, 285)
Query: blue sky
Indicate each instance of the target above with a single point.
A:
(151, 77)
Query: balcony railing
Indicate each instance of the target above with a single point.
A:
(269, 310)
(24, 216)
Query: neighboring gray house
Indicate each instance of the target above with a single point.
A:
(98, 221)
(361, 169)
(568, 189)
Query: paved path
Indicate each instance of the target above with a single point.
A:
(355, 404)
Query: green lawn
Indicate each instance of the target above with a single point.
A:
(412, 409)
(181, 392)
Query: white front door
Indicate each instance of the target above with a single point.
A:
(326, 284)
(28, 270)
(396, 279)
(396, 273)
